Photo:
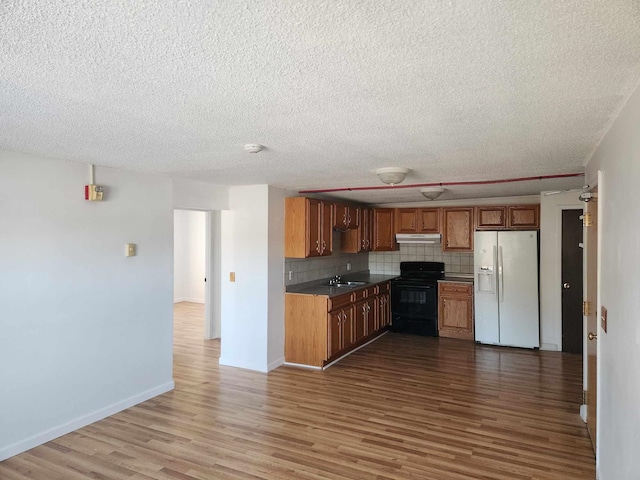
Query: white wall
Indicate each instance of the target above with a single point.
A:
(194, 195)
(618, 156)
(189, 256)
(551, 207)
(253, 306)
(85, 331)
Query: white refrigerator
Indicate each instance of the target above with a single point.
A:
(506, 288)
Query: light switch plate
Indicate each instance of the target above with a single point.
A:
(603, 319)
(129, 249)
(232, 276)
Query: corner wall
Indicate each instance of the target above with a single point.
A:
(253, 306)
(618, 157)
(85, 331)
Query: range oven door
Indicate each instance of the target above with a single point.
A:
(414, 309)
(415, 300)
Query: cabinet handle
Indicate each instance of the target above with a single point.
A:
(318, 246)
(344, 219)
(324, 246)
(349, 220)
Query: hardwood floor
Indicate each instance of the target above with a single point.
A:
(404, 407)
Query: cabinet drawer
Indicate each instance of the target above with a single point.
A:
(456, 288)
(340, 301)
(382, 288)
(364, 293)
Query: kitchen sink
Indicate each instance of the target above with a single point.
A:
(348, 284)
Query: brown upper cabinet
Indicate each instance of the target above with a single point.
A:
(384, 238)
(458, 229)
(308, 227)
(418, 220)
(359, 239)
(491, 217)
(345, 217)
(523, 216)
(511, 217)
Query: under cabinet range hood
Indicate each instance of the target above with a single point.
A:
(418, 238)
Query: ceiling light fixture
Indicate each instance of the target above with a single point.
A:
(431, 193)
(253, 147)
(392, 175)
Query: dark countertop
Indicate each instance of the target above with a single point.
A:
(320, 287)
(458, 278)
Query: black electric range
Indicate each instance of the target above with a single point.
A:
(414, 298)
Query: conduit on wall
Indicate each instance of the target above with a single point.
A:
(444, 184)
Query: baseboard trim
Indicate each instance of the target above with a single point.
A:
(187, 299)
(256, 367)
(552, 347)
(275, 364)
(55, 432)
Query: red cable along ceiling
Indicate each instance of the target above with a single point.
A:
(444, 184)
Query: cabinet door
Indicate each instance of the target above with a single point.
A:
(406, 220)
(348, 334)
(384, 239)
(523, 217)
(326, 229)
(359, 321)
(491, 218)
(370, 316)
(314, 214)
(429, 220)
(353, 216)
(458, 229)
(340, 216)
(335, 331)
(382, 302)
(455, 317)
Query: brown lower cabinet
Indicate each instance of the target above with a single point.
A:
(455, 310)
(319, 328)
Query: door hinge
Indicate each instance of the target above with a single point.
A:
(586, 220)
(584, 397)
(586, 308)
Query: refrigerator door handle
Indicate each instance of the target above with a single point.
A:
(495, 268)
(500, 274)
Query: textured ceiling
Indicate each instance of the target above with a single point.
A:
(453, 90)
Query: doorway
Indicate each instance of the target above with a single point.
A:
(197, 266)
(571, 274)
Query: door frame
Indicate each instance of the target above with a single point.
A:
(213, 274)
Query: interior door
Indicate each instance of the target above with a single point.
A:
(591, 245)
(571, 286)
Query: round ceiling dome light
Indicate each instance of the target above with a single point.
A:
(431, 193)
(253, 147)
(392, 175)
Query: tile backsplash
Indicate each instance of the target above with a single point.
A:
(309, 269)
(389, 262)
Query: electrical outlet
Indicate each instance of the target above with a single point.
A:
(232, 276)
(290, 275)
(348, 266)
